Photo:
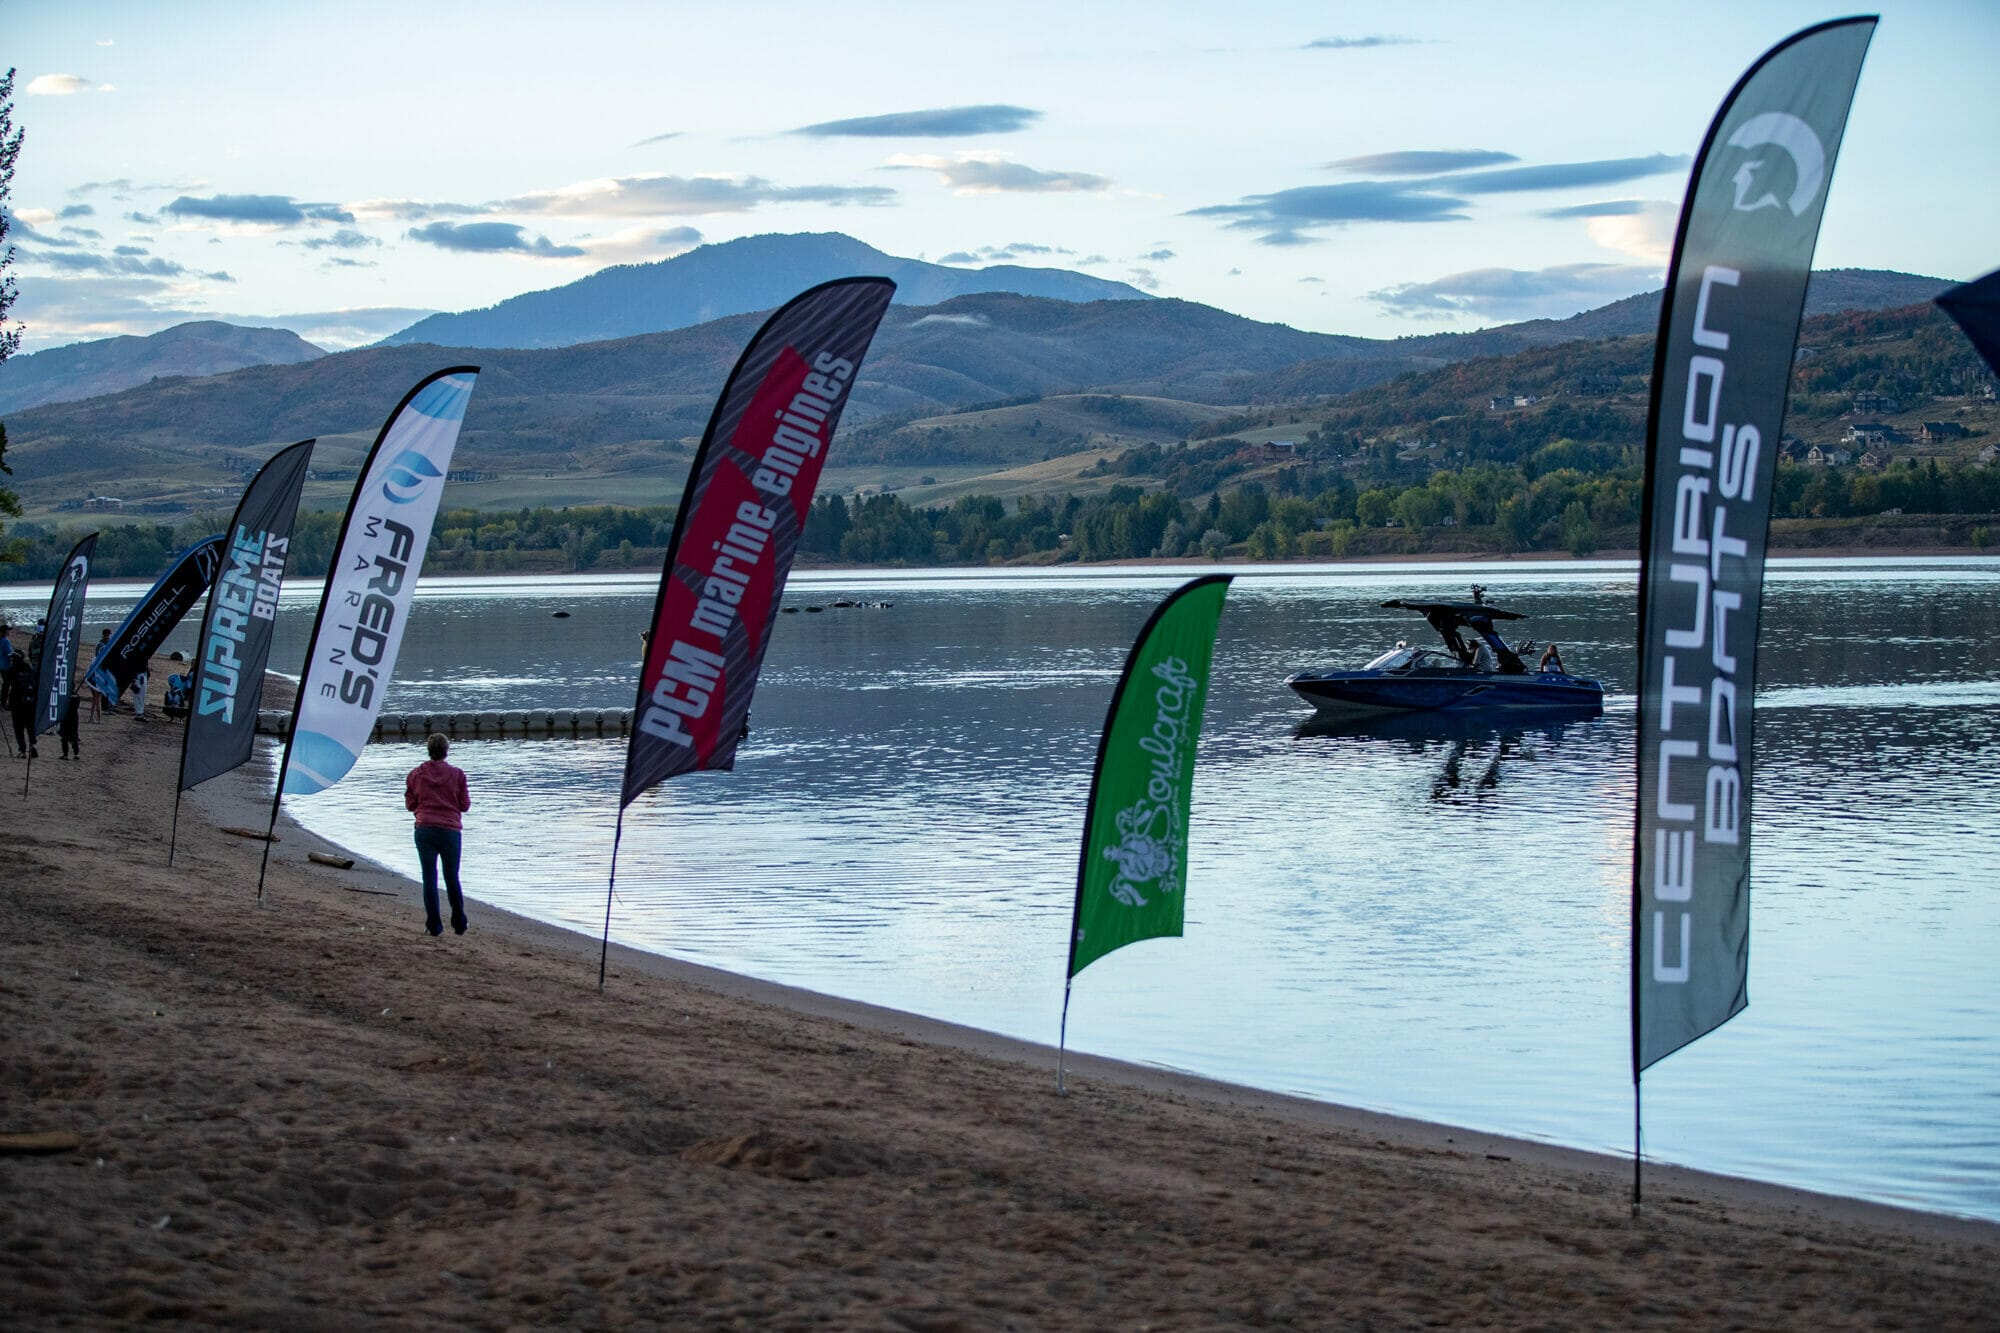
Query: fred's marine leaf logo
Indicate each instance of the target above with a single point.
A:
(1775, 129)
(408, 472)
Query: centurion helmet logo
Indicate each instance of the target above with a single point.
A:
(407, 474)
(1775, 129)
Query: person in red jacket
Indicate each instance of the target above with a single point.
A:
(436, 792)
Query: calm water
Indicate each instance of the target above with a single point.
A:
(1429, 924)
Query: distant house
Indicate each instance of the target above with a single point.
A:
(1792, 447)
(104, 502)
(1822, 456)
(1990, 453)
(1592, 382)
(1874, 461)
(1500, 402)
(1281, 446)
(1877, 402)
(1935, 432)
(1869, 433)
(1525, 400)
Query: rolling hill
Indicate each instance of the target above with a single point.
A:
(732, 278)
(108, 365)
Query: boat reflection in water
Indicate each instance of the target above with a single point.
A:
(1474, 747)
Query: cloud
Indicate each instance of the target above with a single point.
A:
(1282, 216)
(122, 264)
(1646, 232)
(491, 238)
(1001, 254)
(1515, 294)
(58, 85)
(1562, 175)
(77, 211)
(412, 210)
(271, 210)
(1158, 256)
(1356, 43)
(336, 329)
(1286, 217)
(681, 196)
(1610, 208)
(1144, 278)
(970, 321)
(641, 245)
(143, 219)
(986, 173)
(658, 138)
(1420, 162)
(339, 262)
(125, 185)
(941, 123)
(87, 233)
(345, 239)
(1321, 281)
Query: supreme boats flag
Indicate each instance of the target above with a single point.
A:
(134, 642)
(1728, 326)
(373, 576)
(235, 639)
(748, 495)
(1131, 877)
(1975, 306)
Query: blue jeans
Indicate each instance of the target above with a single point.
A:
(433, 843)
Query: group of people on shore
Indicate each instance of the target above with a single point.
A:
(19, 672)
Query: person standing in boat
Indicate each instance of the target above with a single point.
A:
(436, 793)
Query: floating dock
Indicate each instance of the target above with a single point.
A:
(528, 724)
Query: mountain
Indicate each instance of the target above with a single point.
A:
(87, 370)
(731, 278)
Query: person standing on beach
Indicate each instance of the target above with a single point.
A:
(436, 792)
(17, 692)
(97, 699)
(72, 739)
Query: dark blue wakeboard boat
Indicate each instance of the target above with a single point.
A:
(1476, 673)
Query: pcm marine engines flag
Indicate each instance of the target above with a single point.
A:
(748, 495)
(1721, 367)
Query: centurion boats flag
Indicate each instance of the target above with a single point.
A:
(1728, 327)
(369, 586)
(749, 492)
(55, 671)
(235, 639)
(1976, 307)
(1131, 876)
(132, 645)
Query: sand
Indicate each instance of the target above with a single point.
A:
(312, 1115)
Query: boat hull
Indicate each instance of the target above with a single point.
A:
(1442, 690)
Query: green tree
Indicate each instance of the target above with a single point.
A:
(11, 552)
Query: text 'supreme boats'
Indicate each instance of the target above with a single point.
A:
(1478, 672)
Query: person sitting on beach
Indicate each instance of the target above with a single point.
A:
(1552, 660)
(177, 694)
(436, 792)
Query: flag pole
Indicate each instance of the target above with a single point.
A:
(174, 834)
(610, 889)
(1636, 1198)
(1062, 1042)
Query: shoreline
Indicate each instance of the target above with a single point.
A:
(313, 1113)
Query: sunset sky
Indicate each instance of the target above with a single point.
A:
(1374, 169)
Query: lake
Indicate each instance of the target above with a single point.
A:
(1430, 924)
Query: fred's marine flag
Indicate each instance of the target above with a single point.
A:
(1728, 328)
(748, 495)
(133, 643)
(1976, 307)
(235, 639)
(55, 673)
(1132, 875)
(369, 585)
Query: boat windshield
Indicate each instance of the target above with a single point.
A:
(1393, 659)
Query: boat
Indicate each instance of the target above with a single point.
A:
(1477, 672)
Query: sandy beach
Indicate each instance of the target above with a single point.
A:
(312, 1115)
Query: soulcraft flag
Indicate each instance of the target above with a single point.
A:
(1131, 878)
(373, 576)
(135, 641)
(1975, 306)
(1721, 366)
(55, 673)
(748, 495)
(235, 639)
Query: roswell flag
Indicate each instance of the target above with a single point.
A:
(1131, 877)
(1976, 307)
(1727, 331)
(134, 642)
(55, 673)
(748, 495)
(235, 639)
(373, 576)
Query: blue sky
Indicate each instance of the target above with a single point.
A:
(1365, 168)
